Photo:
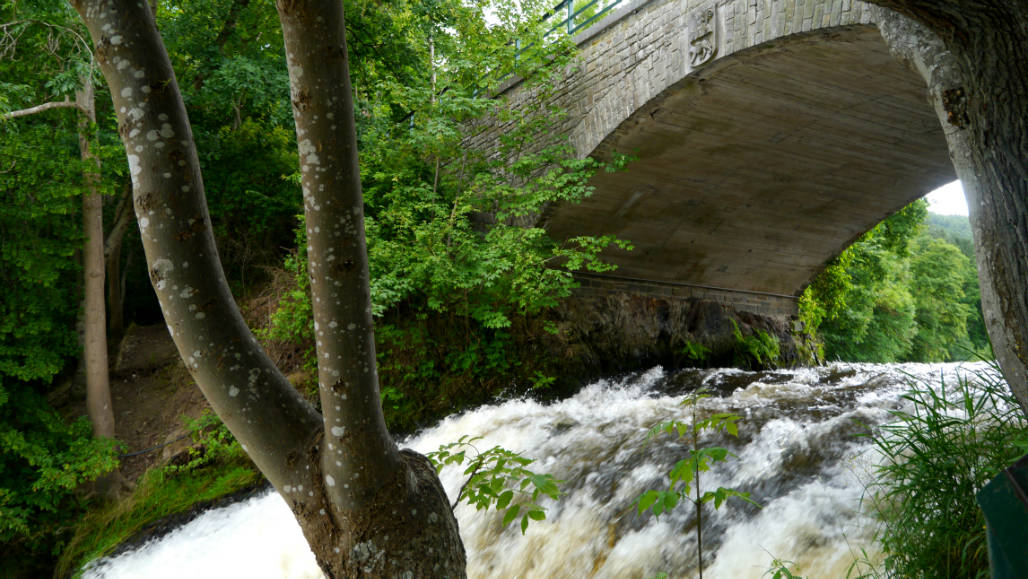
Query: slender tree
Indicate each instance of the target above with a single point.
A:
(98, 391)
(366, 508)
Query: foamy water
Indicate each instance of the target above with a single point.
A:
(797, 454)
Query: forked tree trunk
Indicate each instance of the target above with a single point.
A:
(973, 57)
(367, 509)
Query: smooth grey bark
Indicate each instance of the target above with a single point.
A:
(274, 424)
(972, 56)
(390, 514)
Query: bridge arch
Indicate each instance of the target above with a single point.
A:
(769, 135)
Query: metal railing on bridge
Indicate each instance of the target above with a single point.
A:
(577, 15)
(570, 17)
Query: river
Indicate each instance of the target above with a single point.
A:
(799, 454)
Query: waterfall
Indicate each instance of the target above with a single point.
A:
(798, 454)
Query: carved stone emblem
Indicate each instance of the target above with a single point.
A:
(703, 34)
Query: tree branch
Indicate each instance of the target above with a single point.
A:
(122, 217)
(65, 104)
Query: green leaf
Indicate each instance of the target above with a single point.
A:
(647, 500)
(504, 499)
(511, 514)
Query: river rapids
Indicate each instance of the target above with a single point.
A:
(799, 454)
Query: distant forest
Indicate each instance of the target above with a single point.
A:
(907, 291)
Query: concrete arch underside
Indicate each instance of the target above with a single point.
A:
(758, 164)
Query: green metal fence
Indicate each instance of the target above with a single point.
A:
(570, 17)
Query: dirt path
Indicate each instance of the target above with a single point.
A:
(151, 391)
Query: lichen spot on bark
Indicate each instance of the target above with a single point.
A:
(134, 168)
(162, 267)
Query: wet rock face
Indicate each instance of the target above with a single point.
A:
(621, 332)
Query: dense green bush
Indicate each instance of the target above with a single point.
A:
(43, 460)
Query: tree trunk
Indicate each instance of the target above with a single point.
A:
(112, 256)
(98, 391)
(98, 385)
(366, 509)
(406, 527)
(972, 54)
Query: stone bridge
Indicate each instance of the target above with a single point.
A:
(769, 134)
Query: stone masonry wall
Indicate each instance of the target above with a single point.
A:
(645, 47)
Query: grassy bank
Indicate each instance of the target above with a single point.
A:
(213, 468)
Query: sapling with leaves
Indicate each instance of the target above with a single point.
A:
(684, 476)
(498, 478)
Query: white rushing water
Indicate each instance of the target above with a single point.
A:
(798, 454)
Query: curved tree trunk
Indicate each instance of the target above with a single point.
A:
(972, 54)
(367, 509)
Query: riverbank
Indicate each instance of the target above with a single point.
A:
(176, 461)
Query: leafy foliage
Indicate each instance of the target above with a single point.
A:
(498, 478)
(780, 570)
(212, 444)
(757, 350)
(694, 352)
(229, 59)
(44, 459)
(937, 456)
